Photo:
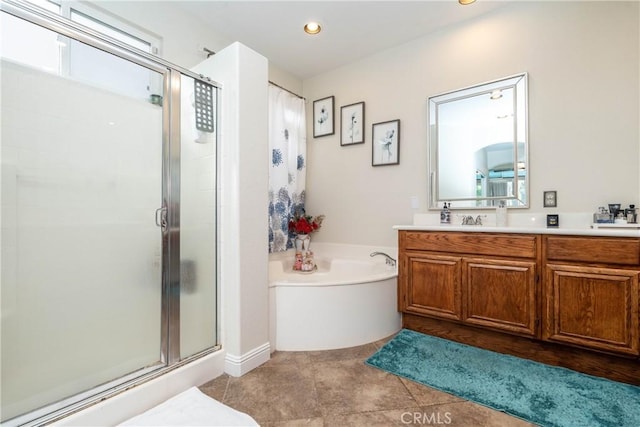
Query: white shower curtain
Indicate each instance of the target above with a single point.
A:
(288, 150)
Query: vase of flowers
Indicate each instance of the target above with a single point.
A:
(302, 225)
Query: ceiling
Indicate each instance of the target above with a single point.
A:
(350, 29)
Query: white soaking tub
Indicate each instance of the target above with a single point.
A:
(348, 301)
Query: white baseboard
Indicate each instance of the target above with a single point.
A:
(236, 366)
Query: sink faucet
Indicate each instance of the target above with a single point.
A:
(390, 261)
(468, 220)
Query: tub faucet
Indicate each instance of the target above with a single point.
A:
(390, 261)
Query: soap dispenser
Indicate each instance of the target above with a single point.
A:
(501, 214)
(445, 214)
(631, 214)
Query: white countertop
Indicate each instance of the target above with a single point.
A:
(587, 231)
(577, 224)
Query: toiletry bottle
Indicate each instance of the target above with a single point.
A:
(631, 214)
(445, 214)
(501, 214)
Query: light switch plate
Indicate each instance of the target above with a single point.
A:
(414, 202)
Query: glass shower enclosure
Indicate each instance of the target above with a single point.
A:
(108, 214)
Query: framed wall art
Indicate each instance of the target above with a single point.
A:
(385, 143)
(323, 117)
(352, 124)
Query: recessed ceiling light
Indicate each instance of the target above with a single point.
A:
(312, 28)
(466, 2)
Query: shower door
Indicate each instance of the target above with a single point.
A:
(198, 296)
(83, 259)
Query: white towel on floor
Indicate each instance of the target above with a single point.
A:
(191, 408)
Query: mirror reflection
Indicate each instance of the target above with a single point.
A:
(478, 145)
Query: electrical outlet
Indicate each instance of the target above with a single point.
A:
(550, 199)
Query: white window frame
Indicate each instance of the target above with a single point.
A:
(113, 22)
(103, 18)
(105, 23)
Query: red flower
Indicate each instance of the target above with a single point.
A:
(305, 224)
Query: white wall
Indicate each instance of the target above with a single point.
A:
(583, 64)
(243, 204)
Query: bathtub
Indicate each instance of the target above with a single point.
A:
(348, 301)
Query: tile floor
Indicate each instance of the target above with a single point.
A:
(336, 388)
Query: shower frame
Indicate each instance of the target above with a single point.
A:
(170, 357)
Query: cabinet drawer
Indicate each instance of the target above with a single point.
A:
(622, 251)
(511, 245)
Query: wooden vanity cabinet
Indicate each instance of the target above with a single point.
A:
(591, 293)
(564, 300)
(481, 279)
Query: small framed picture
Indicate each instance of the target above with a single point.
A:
(352, 124)
(385, 143)
(550, 199)
(323, 116)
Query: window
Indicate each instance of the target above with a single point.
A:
(48, 51)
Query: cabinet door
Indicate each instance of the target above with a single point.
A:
(501, 294)
(592, 307)
(433, 286)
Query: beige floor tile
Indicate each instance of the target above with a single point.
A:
(336, 388)
(307, 422)
(469, 414)
(360, 352)
(216, 388)
(428, 396)
(392, 418)
(288, 358)
(277, 393)
(350, 386)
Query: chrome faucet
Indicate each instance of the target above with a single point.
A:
(390, 261)
(468, 220)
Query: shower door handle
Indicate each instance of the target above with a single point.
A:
(161, 219)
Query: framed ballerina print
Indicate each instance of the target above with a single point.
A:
(385, 143)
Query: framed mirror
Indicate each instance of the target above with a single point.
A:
(478, 146)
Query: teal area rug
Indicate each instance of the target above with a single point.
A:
(541, 394)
